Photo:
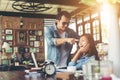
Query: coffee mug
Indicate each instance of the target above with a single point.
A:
(71, 68)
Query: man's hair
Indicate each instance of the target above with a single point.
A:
(65, 13)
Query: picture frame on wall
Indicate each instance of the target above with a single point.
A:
(40, 33)
(15, 49)
(9, 50)
(37, 50)
(9, 37)
(36, 43)
(31, 32)
(21, 37)
(31, 43)
(32, 38)
(32, 49)
(8, 31)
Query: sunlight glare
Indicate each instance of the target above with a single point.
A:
(105, 13)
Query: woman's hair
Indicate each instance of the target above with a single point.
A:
(92, 49)
(65, 13)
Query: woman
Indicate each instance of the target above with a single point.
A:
(86, 51)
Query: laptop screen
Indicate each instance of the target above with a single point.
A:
(34, 59)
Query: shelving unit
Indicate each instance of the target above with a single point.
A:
(30, 36)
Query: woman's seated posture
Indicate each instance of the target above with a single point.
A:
(86, 51)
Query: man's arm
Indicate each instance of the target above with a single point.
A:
(60, 41)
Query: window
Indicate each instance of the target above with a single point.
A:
(80, 30)
(96, 32)
(87, 28)
(90, 24)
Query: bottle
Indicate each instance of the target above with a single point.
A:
(16, 61)
(106, 69)
(13, 57)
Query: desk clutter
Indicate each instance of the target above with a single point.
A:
(35, 75)
(99, 70)
(93, 70)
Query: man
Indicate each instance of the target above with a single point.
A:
(60, 39)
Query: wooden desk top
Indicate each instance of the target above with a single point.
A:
(66, 76)
(20, 75)
(12, 75)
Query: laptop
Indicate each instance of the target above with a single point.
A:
(35, 62)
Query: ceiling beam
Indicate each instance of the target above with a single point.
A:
(78, 10)
(30, 15)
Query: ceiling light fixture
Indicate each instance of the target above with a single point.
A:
(30, 6)
(21, 23)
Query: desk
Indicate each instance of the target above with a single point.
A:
(67, 76)
(12, 75)
(19, 75)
